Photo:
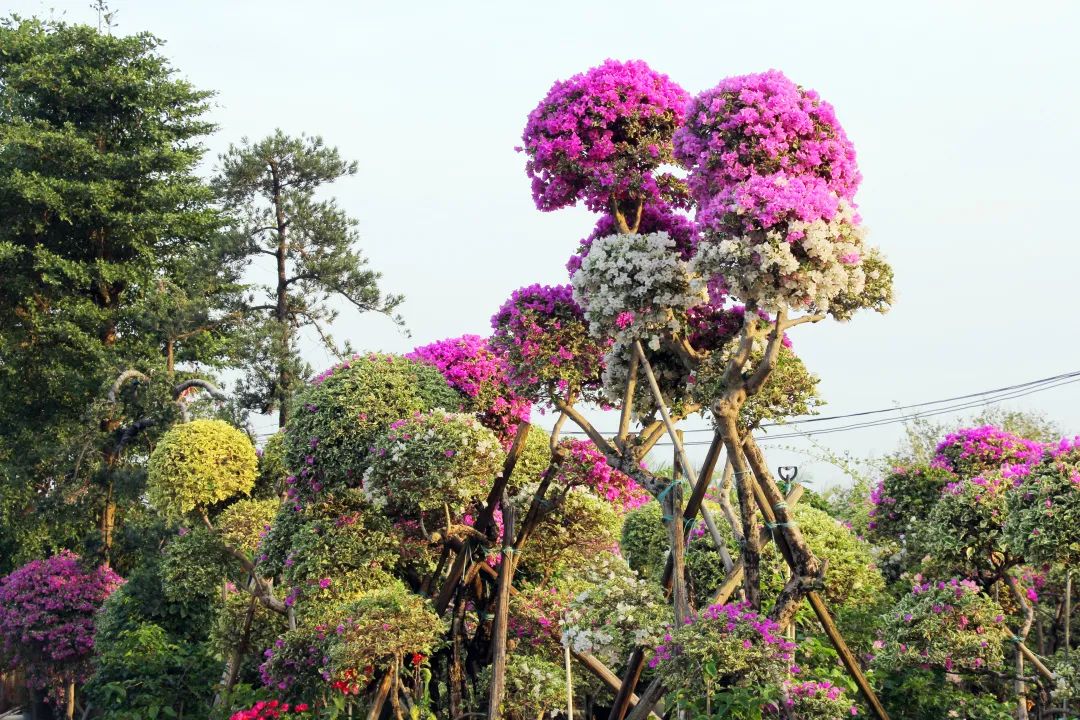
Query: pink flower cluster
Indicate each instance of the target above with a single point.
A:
(982, 488)
(542, 336)
(766, 201)
(586, 466)
(474, 370)
(601, 134)
(978, 449)
(762, 124)
(47, 612)
(270, 710)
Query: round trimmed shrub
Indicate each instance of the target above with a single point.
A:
(429, 460)
(1043, 524)
(344, 410)
(198, 464)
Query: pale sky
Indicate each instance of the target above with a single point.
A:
(963, 115)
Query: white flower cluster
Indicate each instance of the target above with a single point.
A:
(636, 287)
(671, 376)
(617, 613)
(803, 265)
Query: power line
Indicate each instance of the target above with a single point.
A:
(987, 397)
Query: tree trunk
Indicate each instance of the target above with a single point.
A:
(281, 311)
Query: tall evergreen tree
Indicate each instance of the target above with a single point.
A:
(103, 212)
(269, 188)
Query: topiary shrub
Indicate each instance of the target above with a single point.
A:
(1043, 524)
(963, 534)
(534, 688)
(945, 624)
(243, 523)
(344, 410)
(904, 498)
(569, 538)
(198, 464)
(644, 540)
(270, 481)
(430, 460)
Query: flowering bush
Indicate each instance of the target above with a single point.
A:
(47, 618)
(534, 688)
(722, 646)
(542, 334)
(601, 134)
(471, 368)
(1043, 523)
(812, 700)
(970, 451)
(585, 466)
(963, 533)
(759, 124)
(616, 613)
(535, 618)
(295, 666)
(904, 497)
(636, 286)
(198, 464)
(381, 628)
(342, 549)
(803, 264)
(429, 460)
(273, 710)
(946, 624)
(339, 416)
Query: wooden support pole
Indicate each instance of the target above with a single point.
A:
(502, 612)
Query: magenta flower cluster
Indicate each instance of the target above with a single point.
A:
(712, 325)
(761, 124)
(601, 134)
(980, 449)
(47, 610)
(481, 376)
(541, 334)
(586, 466)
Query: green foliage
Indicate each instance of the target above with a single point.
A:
(274, 192)
(569, 538)
(534, 688)
(382, 627)
(534, 460)
(105, 224)
(242, 524)
(194, 564)
(431, 461)
(904, 498)
(227, 631)
(950, 625)
(790, 391)
(198, 464)
(1043, 511)
(342, 544)
(272, 469)
(963, 533)
(340, 416)
(644, 540)
(144, 673)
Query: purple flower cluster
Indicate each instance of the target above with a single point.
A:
(974, 450)
(47, 612)
(542, 335)
(712, 325)
(763, 124)
(474, 370)
(601, 134)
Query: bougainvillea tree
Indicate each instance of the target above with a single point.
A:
(47, 622)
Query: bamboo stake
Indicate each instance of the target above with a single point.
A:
(569, 684)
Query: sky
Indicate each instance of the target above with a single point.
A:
(962, 114)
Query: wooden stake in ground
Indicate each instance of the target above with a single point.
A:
(502, 607)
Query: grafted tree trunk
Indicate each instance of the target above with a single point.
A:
(502, 613)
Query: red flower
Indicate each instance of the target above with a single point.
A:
(417, 659)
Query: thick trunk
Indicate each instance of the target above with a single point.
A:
(281, 311)
(502, 608)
